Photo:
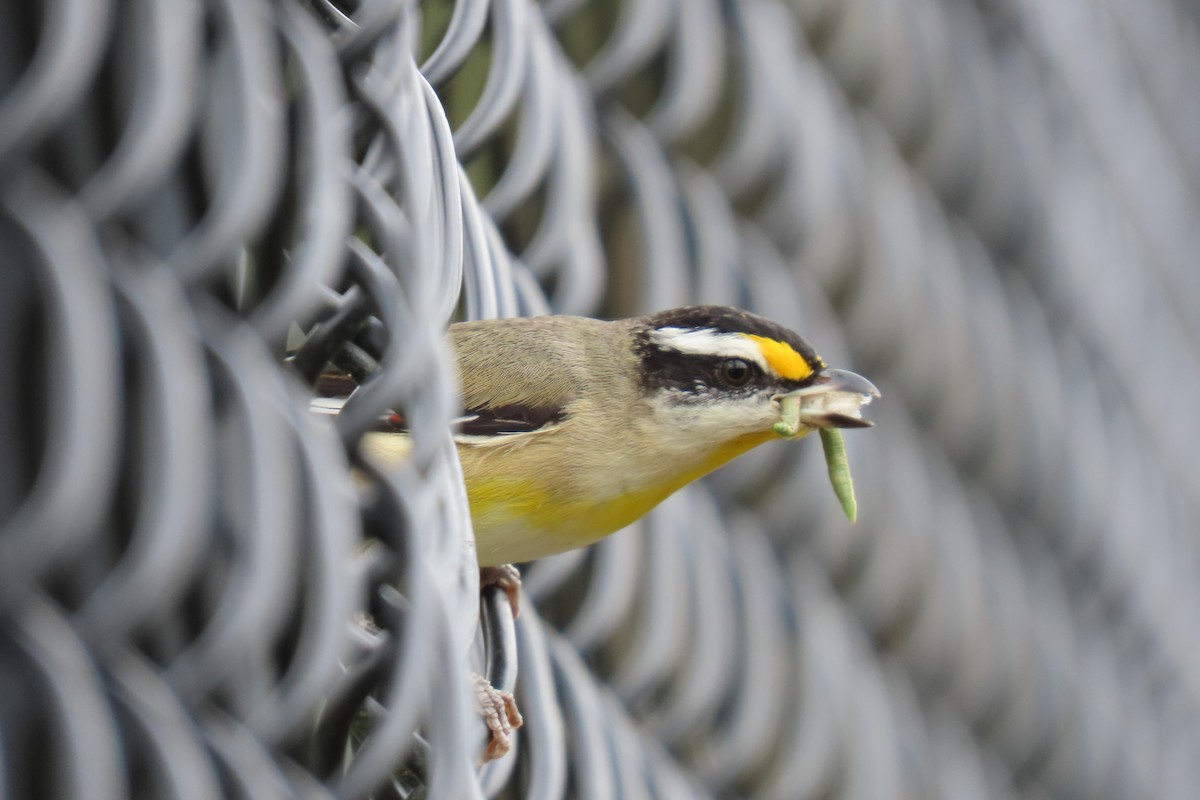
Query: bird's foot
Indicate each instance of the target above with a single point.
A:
(500, 714)
(508, 578)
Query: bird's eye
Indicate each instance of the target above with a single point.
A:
(734, 372)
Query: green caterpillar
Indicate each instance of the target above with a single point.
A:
(835, 454)
(839, 470)
(789, 418)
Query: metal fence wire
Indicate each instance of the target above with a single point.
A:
(988, 207)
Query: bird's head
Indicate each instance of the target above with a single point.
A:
(720, 374)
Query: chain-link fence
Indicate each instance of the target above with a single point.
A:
(989, 208)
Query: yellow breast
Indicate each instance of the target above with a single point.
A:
(533, 500)
(521, 521)
(535, 513)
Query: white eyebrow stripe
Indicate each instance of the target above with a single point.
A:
(709, 342)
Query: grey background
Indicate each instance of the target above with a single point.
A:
(989, 208)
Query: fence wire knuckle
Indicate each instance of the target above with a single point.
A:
(208, 590)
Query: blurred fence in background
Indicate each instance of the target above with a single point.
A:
(990, 208)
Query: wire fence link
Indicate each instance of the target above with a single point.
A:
(988, 207)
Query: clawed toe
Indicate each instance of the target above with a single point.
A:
(500, 714)
(508, 578)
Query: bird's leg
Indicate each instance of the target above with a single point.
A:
(498, 707)
(508, 578)
(500, 714)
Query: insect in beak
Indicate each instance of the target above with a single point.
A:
(835, 400)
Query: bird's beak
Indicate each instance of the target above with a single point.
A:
(835, 400)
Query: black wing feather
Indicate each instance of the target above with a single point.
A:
(513, 418)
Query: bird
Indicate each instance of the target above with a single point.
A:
(573, 428)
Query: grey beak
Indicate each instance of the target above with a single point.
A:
(821, 411)
(840, 380)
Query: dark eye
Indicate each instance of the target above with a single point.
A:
(734, 372)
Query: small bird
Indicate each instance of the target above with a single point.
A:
(575, 427)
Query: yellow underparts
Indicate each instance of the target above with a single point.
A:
(517, 518)
(528, 515)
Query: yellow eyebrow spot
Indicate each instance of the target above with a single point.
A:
(783, 359)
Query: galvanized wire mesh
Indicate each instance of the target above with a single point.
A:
(988, 208)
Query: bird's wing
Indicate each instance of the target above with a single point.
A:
(517, 376)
